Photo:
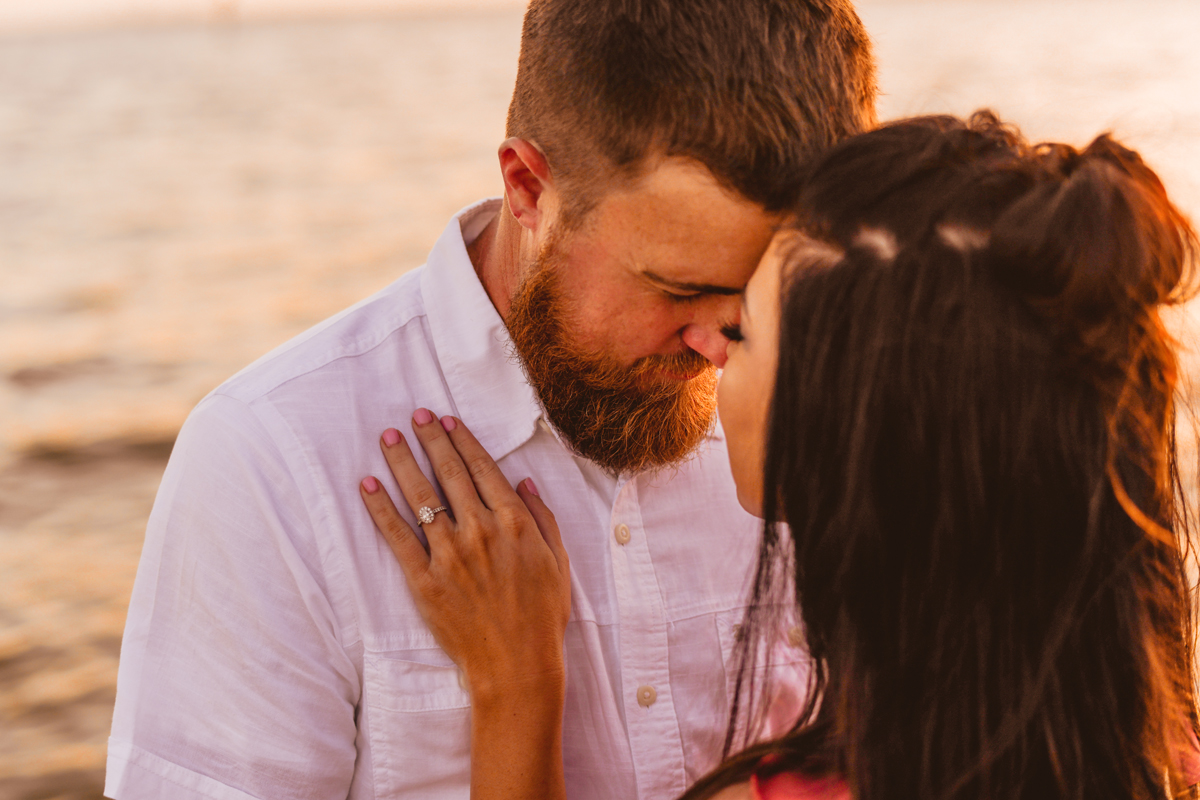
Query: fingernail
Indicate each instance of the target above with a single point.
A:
(532, 487)
(391, 437)
(370, 485)
(449, 424)
(423, 416)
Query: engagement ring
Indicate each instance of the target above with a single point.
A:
(425, 514)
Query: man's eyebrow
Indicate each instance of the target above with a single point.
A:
(687, 286)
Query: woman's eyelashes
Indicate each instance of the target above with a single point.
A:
(732, 332)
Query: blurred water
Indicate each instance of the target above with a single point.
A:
(175, 201)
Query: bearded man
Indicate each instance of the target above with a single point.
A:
(576, 324)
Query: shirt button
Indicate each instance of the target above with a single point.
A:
(646, 696)
(621, 532)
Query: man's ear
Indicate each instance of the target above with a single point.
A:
(528, 185)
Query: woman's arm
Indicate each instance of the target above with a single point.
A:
(494, 587)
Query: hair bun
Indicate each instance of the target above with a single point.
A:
(1095, 235)
(1095, 243)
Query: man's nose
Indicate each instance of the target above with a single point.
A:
(708, 341)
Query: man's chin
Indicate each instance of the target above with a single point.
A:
(666, 376)
(635, 439)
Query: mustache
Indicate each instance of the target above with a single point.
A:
(610, 377)
(684, 363)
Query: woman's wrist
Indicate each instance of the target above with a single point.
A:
(516, 736)
(527, 687)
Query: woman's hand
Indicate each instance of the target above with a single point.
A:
(494, 587)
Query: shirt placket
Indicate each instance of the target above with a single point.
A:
(653, 726)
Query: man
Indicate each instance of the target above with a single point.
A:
(272, 650)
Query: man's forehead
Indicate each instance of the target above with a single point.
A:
(679, 229)
(712, 262)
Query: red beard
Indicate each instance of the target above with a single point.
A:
(624, 418)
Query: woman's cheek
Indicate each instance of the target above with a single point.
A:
(742, 439)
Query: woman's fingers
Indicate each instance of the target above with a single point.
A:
(400, 537)
(448, 466)
(497, 604)
(528, 492)
(417, 490)
(493, 488)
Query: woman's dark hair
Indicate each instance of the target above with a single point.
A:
(972, 441)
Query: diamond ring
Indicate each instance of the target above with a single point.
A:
(425, 514)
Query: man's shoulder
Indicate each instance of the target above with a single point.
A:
(269, 462)
(310, 411)
(391, 316)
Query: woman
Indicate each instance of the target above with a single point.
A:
(968, 396)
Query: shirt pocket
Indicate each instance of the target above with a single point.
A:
(782, 668)
(418, 718)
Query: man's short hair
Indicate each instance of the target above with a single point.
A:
(752, 89)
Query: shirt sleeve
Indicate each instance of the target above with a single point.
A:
(234, 681)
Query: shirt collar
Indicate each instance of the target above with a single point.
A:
(489, 387)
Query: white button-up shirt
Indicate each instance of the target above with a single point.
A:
(272, 649)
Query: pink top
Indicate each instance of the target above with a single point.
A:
(792, 786)
(1189, 758)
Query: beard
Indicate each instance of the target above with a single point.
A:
(624, 418)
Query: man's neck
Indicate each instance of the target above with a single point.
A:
(496, 256)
